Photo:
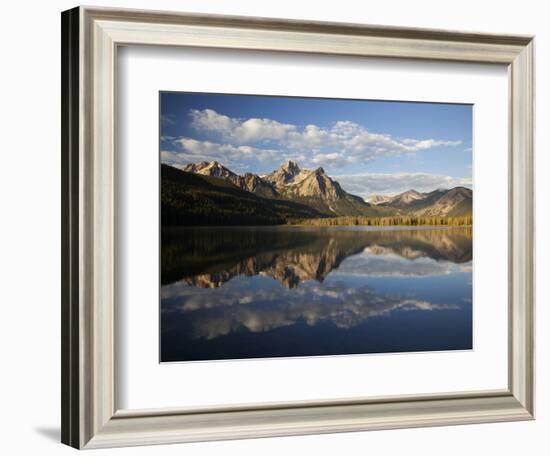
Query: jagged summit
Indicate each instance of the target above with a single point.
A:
(295, 182)
(209, 168)
(289, 173)
(290, 167)
(318, 184)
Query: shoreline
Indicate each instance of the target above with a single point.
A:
(345, 227)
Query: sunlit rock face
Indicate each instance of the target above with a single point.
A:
(210, 168)
(288, 174)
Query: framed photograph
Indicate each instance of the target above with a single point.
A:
(276, 227)
(276, 240)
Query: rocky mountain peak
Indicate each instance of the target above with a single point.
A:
(409, 197)
(378, 199)
(209, 168)
(318, 184)
(288, 174)
(291, 167)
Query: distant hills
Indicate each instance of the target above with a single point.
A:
(209, 193)
(455, 202)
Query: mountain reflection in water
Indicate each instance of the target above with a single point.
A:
(285, 291)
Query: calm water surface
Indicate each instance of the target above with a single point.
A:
(256, 292)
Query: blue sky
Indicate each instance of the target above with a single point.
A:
(370, 147)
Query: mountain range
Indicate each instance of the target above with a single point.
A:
(313, 188)
(207, 192)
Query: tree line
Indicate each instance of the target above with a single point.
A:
(406, 220)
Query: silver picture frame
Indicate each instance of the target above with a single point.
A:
(90, 39)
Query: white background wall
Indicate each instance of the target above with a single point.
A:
(30, 226)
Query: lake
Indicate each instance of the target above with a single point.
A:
(257, 292)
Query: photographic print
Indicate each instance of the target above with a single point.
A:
(298, 226)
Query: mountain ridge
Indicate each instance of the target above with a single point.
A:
(456, 201)
(312, 188)
(195, 199)
(294, 192)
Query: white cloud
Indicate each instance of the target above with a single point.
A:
(241, 131)
(167, 156)
(344, 143)
(368, 184)
(262, 129)
(325, 159)
(192, 150)
(208, 119)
